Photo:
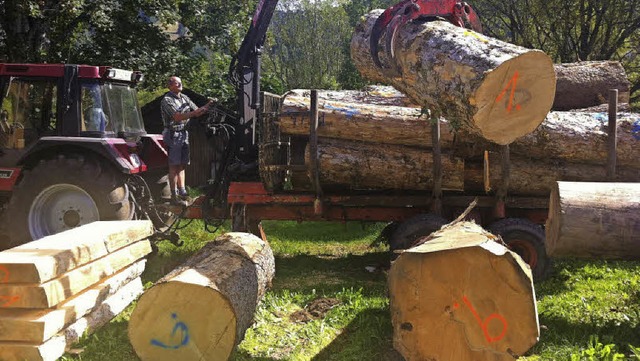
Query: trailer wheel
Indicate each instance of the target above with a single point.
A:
(63, 193)
(527, 240)
(414, 228)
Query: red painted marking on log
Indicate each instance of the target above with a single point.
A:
(484, 324)
(511, 87)
(4, 274)
(6, 301)
(455, 306)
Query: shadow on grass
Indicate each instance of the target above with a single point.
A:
(304, 273)
(367, 337)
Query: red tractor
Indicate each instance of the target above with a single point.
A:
(73, 150)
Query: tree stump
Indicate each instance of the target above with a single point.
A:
(462, 296)
(201, 310)
(494, 89)
(594, 220)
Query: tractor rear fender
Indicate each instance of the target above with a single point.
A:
(115, 150)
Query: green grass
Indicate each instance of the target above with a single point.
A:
(587, 310)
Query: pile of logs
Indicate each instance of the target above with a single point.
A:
(201, 310)
(56, 289)
(381, 139)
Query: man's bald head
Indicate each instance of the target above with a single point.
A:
(175, 84)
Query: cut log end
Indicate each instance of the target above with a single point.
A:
(174, 321)
(519, 92)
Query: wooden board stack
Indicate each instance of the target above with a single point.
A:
(54, 290)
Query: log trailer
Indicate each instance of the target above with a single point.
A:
(74, 150)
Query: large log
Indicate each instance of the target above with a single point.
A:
(357, 165)
(587, 83)
(536, 177)
(494, 89)
(582, 138)
(359, 116)
(201, 310)
(462, 296)
(594, 220)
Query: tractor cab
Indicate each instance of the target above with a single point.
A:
(41, 100)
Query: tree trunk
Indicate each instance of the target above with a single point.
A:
(531, 177)
(201, 310)
(359, 116)
(594, 220)
(462, 296)
(494, 89)
(586, 84)
(357, 165)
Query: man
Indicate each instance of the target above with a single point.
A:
(177, 109)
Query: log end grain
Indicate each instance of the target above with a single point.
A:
(462, 297)
(175, 321)
(515, 97)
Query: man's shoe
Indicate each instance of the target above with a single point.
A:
(177, 201)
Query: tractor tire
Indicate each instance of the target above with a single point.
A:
(63, 193)
(160, 189)
(414, 228)
(527, 240)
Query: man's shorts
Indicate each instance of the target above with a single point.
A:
(177, 144)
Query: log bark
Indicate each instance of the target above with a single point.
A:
(357, 165)
(494, 89)
(535, 177)
(587, 83)
(594, 220)
(359, 116)
(482, 309)
(201, 310)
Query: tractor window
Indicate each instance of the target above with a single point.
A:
(94, 117)
(28, 112)
(121, 106)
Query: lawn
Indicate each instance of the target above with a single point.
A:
(587, 310)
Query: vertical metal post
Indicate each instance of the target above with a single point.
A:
(313, 152)
(501, 195)
(612, 141)
(436, 205)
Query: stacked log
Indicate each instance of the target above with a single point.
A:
(484, 308)
(58, 288)
(380, 146)
(201, 310)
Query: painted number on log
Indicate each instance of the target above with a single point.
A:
(6, 301)
(4, 274)
(174, 343)
(511, 89)
(484, 324)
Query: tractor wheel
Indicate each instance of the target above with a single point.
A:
(527, 240)
(63, 193)
(160, 189)
(414, 228)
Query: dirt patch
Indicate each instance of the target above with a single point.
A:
(314, 310)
